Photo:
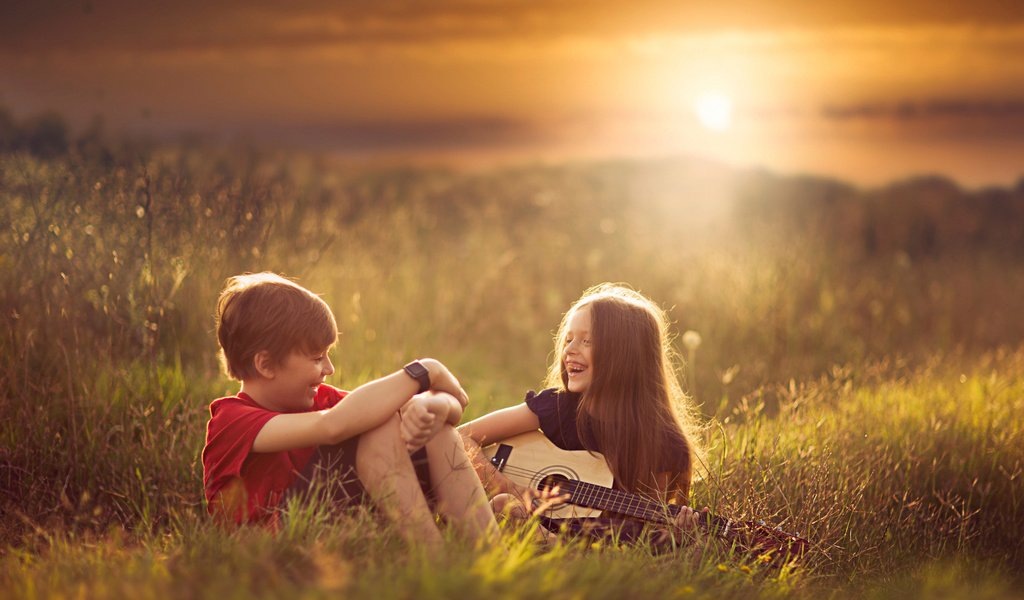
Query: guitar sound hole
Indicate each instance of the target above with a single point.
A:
(550, 482)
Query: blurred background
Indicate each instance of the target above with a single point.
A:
(867, 91)
(803, 187)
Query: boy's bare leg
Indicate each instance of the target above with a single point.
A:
(460, 495)
(383, 465)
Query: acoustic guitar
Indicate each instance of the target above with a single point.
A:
(533, 461)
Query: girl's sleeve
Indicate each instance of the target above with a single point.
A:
(545, 405)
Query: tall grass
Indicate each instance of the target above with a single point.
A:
(857, 395)
(925, 464)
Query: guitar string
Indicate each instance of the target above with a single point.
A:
(610, 498)
(650, 509)
(636, 505)
(613, 499)
(622, 502)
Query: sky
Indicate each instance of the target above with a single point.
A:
(865, 90)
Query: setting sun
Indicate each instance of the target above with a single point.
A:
(714, 111)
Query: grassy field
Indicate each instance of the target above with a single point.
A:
(861, 374)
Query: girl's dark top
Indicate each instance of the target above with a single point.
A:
(557, 411)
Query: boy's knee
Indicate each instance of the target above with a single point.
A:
(387, 429)
(449, 438)
(385, 436)
(448, 431)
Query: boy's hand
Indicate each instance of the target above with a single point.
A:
(442, 380)
(422, 417)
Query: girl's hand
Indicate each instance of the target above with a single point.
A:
(521, 502)
(442, 380)
(543, 500)
(689, 519)
(422, 417)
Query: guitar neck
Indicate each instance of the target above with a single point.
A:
(633, 505)
(756, 537)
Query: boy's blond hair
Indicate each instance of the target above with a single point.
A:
(265, 312)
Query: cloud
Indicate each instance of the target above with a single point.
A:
(111, 26)
(928, 109)
(409, 134)
(937, 119)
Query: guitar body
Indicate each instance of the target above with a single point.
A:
(532, 461)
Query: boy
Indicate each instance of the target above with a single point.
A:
(285, 424)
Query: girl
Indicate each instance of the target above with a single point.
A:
(613, 389)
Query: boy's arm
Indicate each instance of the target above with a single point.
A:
(365, 408)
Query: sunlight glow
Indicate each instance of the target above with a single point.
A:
(714, 111)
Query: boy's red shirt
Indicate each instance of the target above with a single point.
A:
(245, 486)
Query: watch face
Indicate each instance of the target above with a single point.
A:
(420, 373)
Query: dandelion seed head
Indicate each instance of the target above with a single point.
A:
(691, 339)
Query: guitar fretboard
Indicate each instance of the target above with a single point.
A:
(634, 505)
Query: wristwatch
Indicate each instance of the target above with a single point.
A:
(417, 371)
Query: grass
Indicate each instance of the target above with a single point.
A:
(920, 467)
(872, 402)
(890, 506)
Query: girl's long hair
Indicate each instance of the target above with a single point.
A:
(634, 404)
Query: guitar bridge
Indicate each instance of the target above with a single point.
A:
(500, 458)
